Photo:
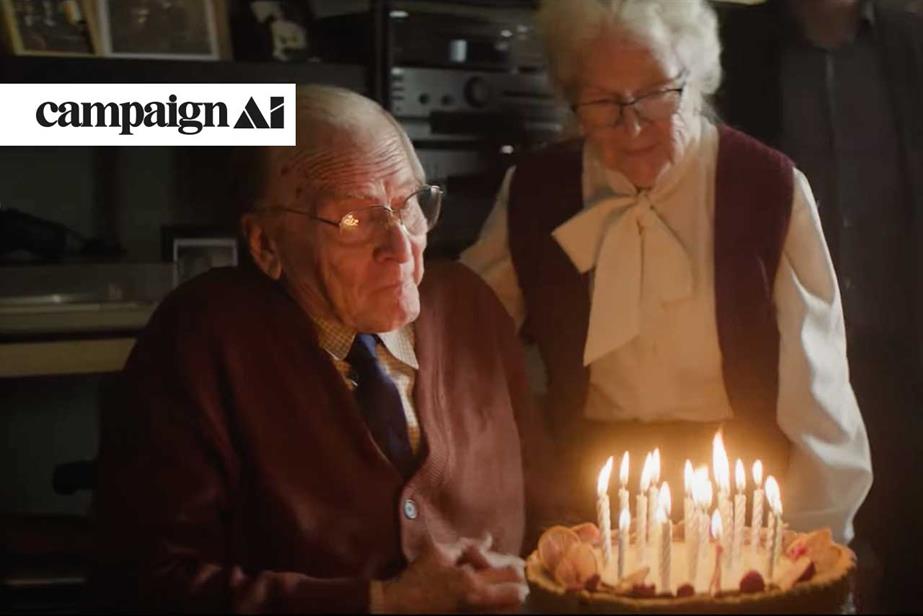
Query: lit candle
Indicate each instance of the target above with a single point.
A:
(717, 535)
(687, 495)
(703, 516)
(624, 521)
(774, 498)
(664, 509)
(623, 483)
(689, 519)
(709, 495)
(641, 509)
(756, 521)
(602, 510)
(770, 525)
(740, 515)
(652, 498)
(722, 472)
(701, 494)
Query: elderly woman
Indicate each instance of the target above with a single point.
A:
(673, 272)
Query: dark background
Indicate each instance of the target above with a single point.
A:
(469, 107)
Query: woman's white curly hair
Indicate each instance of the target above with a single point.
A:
(688, 28)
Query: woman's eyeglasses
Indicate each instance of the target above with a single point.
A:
(607, 112)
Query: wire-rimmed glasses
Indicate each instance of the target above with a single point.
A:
(418, 214)
(609, 111)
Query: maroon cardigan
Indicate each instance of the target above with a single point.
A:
(754, 187)
(236, 472)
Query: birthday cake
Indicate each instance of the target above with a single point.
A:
(711, 561)
(567, 573)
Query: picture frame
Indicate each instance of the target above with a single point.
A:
(196, 255)
(159, 29)
(49, 27)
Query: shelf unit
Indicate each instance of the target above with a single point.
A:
(35, 69)
(60, 357)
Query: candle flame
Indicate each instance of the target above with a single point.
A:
(655, 466)
(646, 473)
(699, 481)
(666, 500)
(741, 476)
(773, 497)
(716, 529)
(721, 466)
(688, 478)
(660, 516)
(602, 482)
(758, 473)
(709, 494)
(623, 470)
(624, 521)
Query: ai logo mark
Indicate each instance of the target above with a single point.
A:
(252, 117)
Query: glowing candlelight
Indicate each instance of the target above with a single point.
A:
(688, 510)
(652, 498)
(664, 508)
(688, 477)
(722, 472)
(716, 526)
(717, 535)
(701, 494)
(602, 510)
(709, 493)
(756, 520)
(740, 514)
(623, 483)
(774, 498)
(641, 508)
(720, 464)
(624, 522)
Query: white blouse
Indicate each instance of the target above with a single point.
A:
(651, 254)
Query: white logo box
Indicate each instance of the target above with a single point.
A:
(134, 114)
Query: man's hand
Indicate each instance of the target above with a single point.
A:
(463, 576)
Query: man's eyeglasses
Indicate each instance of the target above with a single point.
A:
(607, 112)
(418, 213)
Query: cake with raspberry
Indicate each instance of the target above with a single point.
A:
(568, 573)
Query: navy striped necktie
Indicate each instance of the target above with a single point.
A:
(380, 403)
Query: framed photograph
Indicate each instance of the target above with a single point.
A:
(197, 255)
(174, 29)
(49, 27)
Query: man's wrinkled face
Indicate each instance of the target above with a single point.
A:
(371, 286)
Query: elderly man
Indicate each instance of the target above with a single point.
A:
(327, 431)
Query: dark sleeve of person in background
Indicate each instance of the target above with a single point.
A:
(164, 500)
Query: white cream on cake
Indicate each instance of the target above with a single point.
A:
(752, 559)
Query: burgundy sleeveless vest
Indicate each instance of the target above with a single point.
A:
(752, 211)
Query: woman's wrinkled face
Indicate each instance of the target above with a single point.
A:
(616, 66)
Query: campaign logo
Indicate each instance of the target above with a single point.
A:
(147, 114)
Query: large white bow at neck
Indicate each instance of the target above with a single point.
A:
(634, 253)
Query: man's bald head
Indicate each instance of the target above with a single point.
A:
(331, 124)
